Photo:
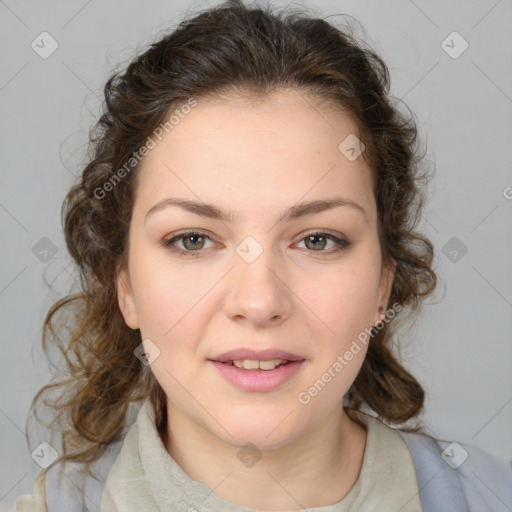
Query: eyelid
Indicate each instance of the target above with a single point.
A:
(321, 231)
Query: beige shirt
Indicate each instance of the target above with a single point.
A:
(144, 477)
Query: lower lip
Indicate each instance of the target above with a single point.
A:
(258, 380)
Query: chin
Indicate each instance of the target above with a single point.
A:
(265, 431)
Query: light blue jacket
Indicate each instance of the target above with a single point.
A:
(481, 483)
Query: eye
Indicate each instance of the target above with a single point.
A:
(193, 241)
(317, 241)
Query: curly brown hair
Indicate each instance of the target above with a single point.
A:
(253, 51)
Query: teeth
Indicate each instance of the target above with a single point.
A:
(253, 364)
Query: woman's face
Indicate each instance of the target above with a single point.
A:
(257, 279)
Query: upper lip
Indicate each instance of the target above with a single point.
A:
(262, 355)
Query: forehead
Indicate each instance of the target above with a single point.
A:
(274, 150)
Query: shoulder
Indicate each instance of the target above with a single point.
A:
(68, 486)
(36, 502)
(460, 475)
(78, 487)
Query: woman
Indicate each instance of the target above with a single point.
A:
(245, 233)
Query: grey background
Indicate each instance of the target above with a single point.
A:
(461, 350)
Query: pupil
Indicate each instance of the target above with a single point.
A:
(189, 237)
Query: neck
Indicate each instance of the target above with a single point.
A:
(317, 469)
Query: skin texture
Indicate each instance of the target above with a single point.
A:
(256, 159)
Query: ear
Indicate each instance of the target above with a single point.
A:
(386, 284)
(126, 300)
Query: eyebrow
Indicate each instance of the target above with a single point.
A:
(292, 213)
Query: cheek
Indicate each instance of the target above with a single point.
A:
(160, 296)
(342, 301)
(170, 299)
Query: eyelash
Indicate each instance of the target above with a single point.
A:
(341, 243)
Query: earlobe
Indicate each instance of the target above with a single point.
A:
(126, 300)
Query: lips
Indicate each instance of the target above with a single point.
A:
(262, 355)
(258, 381)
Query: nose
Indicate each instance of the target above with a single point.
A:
(258, 293)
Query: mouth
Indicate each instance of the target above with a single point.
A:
(256, 364)
(258, 375)
(247, 354)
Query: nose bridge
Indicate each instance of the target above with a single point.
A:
(258, 291)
